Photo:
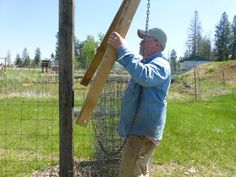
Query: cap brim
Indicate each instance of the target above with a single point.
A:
(141, 33)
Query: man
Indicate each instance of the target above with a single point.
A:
(143, 108)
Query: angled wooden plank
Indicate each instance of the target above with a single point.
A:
(103, 46)
(106, 66)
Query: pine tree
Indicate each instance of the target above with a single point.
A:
(52, 57)
(37, 57)
(77, 48)
(205, 49)
(173, 62)
(18, 60)
(56, 58)
(234, 39)
(194, 35)
(26, 58)
(222, 38)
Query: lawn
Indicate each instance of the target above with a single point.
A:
(199, 135)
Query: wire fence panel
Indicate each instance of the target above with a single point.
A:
(28, 122)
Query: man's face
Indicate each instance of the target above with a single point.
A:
(148, 46)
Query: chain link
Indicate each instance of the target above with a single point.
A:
(147, 17)
(147, 25)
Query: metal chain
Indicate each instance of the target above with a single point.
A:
(147, 24)
(147, 17)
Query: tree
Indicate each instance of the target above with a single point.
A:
(205, 49)
(234, 39)
(77, 48)
(56, 57)
(194, 35)
(37, 57)
(52, 57)
(173, 62)
(26, 58)
(87, 51)
(18, 60)
(222, 38)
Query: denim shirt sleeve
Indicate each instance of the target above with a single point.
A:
(147, 75)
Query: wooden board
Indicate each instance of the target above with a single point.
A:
(106, 64)
(102, 48)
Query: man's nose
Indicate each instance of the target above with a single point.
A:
(142, 42)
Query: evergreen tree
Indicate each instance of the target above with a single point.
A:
(77, 48)
(37, 57)
(173, 62)
(52, 57)
(234, 39)
(26, 58)
(18, 60)
(205, 49)
(194, 35)
(222, 38)
(56, 58)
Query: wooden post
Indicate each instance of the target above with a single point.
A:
(223, 75)
(5, 67)
(66, 55)
(195, 83)
(106, 65)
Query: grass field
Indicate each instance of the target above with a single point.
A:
(199, 138)
(199, 135)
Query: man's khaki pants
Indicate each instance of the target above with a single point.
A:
(136, 155)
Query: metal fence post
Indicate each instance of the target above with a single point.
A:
(66, 55)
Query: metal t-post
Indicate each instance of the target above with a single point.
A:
(66, 55)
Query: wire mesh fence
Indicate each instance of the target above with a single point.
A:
(28, 121)
(29, 130)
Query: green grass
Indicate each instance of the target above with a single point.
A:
(201, 134)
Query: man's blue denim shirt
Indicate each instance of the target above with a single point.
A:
(143, 107)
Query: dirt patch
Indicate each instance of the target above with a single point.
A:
(108, 168)
(166, 169)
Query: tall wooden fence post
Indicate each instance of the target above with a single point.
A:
(66, 55)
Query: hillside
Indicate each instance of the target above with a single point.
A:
(212, 79)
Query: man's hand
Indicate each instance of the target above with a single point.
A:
(115, 40)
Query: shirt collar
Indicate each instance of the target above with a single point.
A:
(150, 58)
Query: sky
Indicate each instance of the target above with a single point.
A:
(34, 23)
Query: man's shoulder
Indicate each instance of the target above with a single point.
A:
(161, 61)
